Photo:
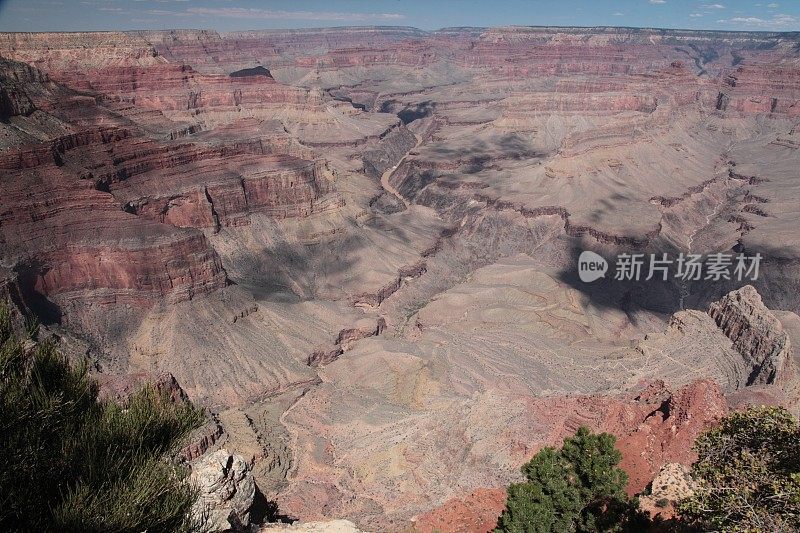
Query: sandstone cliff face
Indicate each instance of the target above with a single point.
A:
(762, 86)
(220, 188)
(170, 87)
(138, 243)
(68, 52)
(756, 334)
(83, 241)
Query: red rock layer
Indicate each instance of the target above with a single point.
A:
(655, 427)
(79, 239)
(477, 512)
(168, 87)
(119, 388)
(91, 206)
(208, 185)
(763, 84)
(274, 46)
(667, 434)
(150, 67)
(62, 234)
(73, 52)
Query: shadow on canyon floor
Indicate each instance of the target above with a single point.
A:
(774, 282)
(410, 114)
(289, 273)
(266, 511)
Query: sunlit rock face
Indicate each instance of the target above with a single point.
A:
(358, 246)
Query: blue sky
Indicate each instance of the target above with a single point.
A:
(227, 15)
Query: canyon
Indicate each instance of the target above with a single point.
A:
(357, 247)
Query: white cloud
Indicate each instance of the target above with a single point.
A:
(255, 13)
(658, 1)
(618, 14)
(777, 22)
(773, 5)
(713, 6)
(695, 15)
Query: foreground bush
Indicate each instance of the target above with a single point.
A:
(578, 488)
(748, 472)
(72, 463)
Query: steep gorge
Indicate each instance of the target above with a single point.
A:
(357, 246)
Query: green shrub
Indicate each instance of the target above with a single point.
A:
(32, 327)
(748, 470)
(73, 463)
(578, 488)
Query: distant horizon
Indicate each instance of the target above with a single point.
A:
(434, 30)
(225, 16)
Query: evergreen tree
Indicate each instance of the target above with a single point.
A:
(578, 488)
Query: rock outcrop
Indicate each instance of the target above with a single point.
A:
(119, 387)
(201, 439)
(672, 484)
(756, 334)
(667, 434)
(227, 491)
(389, 152)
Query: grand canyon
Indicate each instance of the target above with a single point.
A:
(357, 247)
